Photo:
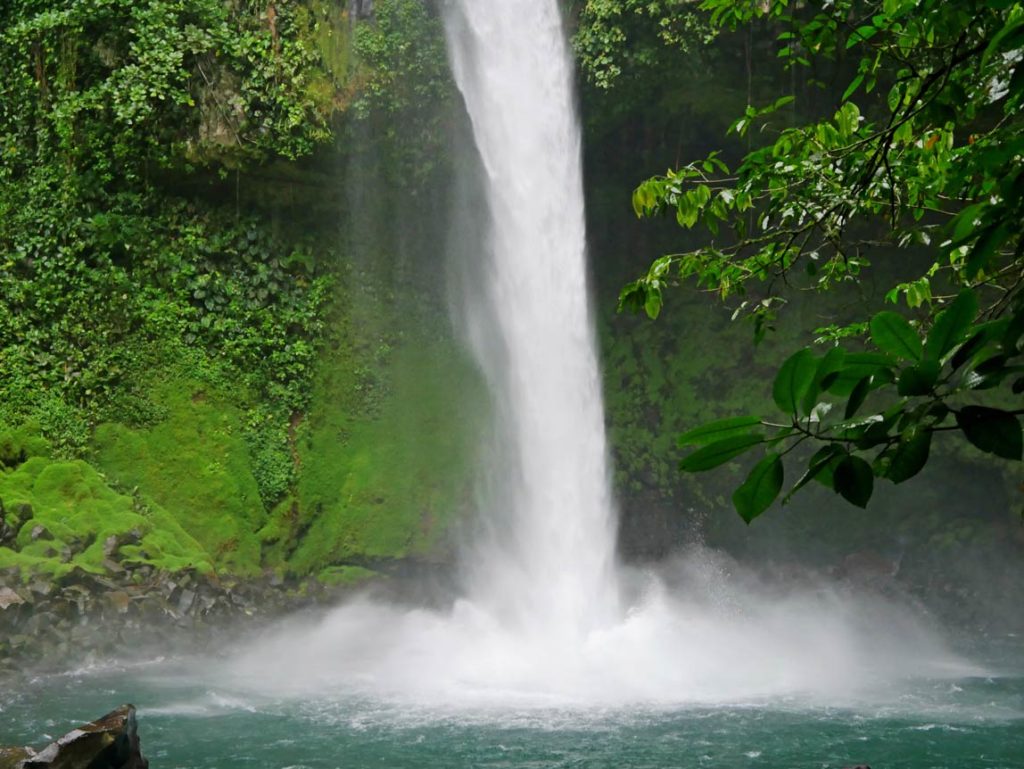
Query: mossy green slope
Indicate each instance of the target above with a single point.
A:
(194, 464)
(385, 485)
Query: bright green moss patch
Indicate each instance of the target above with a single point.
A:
(195, 465)
(72, 513)
(19, 443)
(386, 484)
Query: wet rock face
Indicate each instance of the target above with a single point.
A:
(110, 742)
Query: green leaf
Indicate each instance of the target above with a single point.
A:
(760, 489)
(919, 379)
(816, 467)
(794, 380)
(984, 247)
(857, 397)
(829, 365)
(652, 303)
(719, 452)
(854, 480)
(992, 430)
(892, 333)
(852, 87)
(1014, 331)
(951, 324)
(910, 457)
(717, 430)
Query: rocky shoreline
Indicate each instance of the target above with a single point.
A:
(85, 616)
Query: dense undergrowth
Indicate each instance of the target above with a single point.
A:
(162, 365)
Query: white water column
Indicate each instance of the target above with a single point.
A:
(549, 568)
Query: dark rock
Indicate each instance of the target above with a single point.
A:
(12, 758)
(39, 532)
(111, 742)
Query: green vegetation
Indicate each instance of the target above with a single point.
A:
(921, 160)
(168, 269)
(64, 513)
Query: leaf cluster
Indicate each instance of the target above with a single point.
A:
(921, 151)
(845, 402)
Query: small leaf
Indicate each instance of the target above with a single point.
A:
(854, 480)
(719, 452)
(892, 333)
(992, 430)
(910, 457)
(852, 87)
(951, 324)
(652, 303)
(794, 380)
(760, 489)
(717, 430)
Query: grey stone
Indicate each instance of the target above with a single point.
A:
(185, 600)
(9, 598)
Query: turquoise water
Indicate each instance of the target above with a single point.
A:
(187, 721)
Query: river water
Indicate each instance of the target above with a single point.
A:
(190, 720)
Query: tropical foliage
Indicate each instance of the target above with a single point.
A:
(919, 161)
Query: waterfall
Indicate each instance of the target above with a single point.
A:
(549, 566)
(539, 620)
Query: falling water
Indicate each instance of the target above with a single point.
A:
(539, 620)
(551, 570)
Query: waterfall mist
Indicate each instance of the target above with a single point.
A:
(545, 614)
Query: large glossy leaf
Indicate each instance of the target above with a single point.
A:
(981, 336)
(910, 456)
(717, 430)
(794, 380)
(857, 397)
(919, 379)
(719, 452)
(951, 325)
(854, 480)
(856, 367)
(992, 430)
(892, 333)
(828, 366)
(760, 489)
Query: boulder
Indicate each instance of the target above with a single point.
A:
(111, 742)
(12, 758)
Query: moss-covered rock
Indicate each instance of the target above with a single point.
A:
(69, 514)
